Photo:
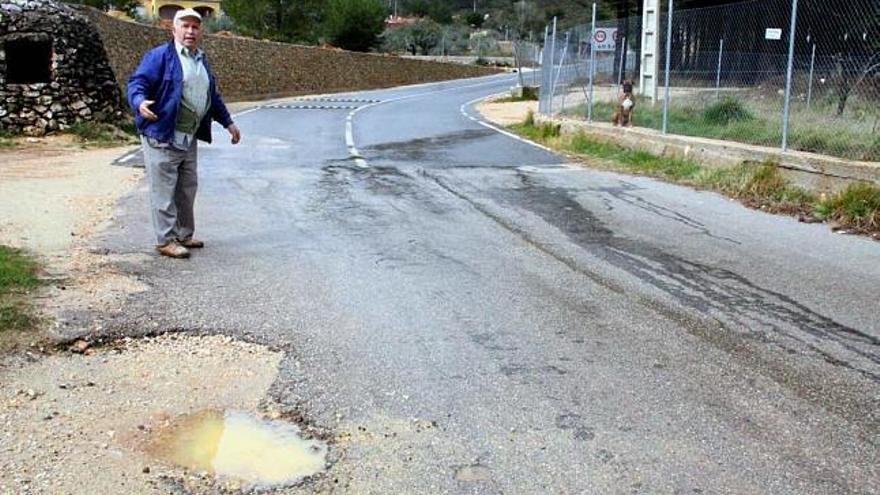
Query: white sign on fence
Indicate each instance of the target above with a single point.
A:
(605, 39)
(773, 34)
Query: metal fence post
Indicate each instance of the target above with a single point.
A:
(810, 84)
(718, 72)
(787, 107)
(668, 59)
(622, 62)
(545, 81)
(562, 64)
(534, 65)
(549, 110)
(592, 64)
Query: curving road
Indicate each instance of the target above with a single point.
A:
(466, 313)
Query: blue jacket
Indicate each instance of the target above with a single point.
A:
(159, 77)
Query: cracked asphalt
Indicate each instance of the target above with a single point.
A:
(462, 312)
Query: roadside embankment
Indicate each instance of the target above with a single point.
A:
(254, 69)
(813, 171)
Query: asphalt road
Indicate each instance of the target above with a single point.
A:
(466, 313)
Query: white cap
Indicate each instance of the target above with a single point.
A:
(180, 14)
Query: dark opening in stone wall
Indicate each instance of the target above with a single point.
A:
(28, 60)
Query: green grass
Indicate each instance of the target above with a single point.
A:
(737, 120)
(757, 185)
(17, 270)
(5, 141)
(858, 206)
(18, 275)
(102, 134)
(90, 134)
(513, 99)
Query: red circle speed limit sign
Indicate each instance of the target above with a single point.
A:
(605, 39)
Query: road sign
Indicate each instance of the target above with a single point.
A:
(605, 39)
(773, 34)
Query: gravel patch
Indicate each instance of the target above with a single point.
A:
(78, 423)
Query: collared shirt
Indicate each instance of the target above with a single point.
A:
(195, 103)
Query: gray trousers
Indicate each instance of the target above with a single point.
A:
(173, 178)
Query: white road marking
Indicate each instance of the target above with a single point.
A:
(243, 112)
(349, 120)
(495, 128)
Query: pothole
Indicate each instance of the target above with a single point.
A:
(240, 446)
(81, 423)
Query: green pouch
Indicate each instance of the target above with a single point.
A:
(187, 119)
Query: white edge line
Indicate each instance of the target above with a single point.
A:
(495, 128)
(128, 156)
(249, 110)
(349, 119)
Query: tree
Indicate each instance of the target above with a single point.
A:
(528, 18)
(418, 8)
(475, 19)
(420, 37)
(426, 35)
(439, 11)
(354, 24)
(280, 20)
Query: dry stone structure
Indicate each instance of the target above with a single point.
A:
(54, 70)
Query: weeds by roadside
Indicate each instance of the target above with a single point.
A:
(732, 119)
(18, 276)
(103, 135)
(5, 141)
(517, 99)
(88, 134)
(856, 208)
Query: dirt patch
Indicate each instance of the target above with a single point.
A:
(55, 195)
(63, 415)
(509, 113)
(23, 148)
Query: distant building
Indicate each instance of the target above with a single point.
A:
(396, 21)
(164, 10)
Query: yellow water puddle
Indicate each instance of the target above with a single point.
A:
(238, 445)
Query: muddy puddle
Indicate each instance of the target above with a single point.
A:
(236, 445)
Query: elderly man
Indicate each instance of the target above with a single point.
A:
(174, 96)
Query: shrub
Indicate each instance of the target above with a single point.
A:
(872, 154)
(548, 130)
(814, 142)
(858, 205)
(475, 19)
(726, 111)
(354, 24)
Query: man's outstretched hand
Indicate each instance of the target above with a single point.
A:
(144, 110)
(235, 133)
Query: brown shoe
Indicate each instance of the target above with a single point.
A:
(173, 250)
(192, 243)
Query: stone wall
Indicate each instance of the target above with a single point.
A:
(252, 69)
(79, 85)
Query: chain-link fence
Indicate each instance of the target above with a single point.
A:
(728, 74)
(527, 59)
